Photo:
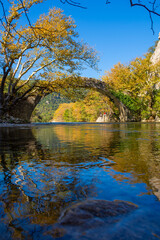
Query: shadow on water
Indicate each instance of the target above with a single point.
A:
(45, 168)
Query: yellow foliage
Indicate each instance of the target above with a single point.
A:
(59, 113)
(135, 79)
(40, 53)
(87, 110)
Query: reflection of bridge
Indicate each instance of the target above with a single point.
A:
(25, 107)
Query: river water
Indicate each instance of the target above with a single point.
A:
(46, 168)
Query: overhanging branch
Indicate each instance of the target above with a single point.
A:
(153, 10)
(73, 3)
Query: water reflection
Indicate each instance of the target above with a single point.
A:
(134, 147)
(45, 168)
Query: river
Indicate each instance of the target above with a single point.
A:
(47, 167)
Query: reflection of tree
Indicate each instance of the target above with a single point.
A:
(16, 145)
(44, 169)
(93, 140)
(139, 154)
(134, 147)
(36, 183)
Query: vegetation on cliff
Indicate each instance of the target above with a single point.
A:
(136, 85)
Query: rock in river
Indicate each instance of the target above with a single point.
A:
(90, 219)
(83, 212)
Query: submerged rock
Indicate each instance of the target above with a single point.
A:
(90, 219)
(88, 210)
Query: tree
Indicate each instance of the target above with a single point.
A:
(86, 110)
(40, 52)
(135, 84)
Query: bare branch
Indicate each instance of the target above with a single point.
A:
(151, 10)
(25, 11)
(29, 67)
(150, 15)
(73, 3)
(144, 6)
(18, 64)
(33, 73)
(3, 9)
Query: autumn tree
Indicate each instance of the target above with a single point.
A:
(34, 54)
(89, 109)
(135, 84)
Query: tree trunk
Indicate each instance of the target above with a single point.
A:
(1, 105)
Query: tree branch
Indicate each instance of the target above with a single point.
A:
(73, 3)
(3, 9)
(23, 95)
(144, 6)
(150, 11)
(29, 67)
(18, 64)
(37, 70)
(28, 18)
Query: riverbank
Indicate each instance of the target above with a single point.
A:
(70, 123)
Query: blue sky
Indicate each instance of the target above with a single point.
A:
(118, 32)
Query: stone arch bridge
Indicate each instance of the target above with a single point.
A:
(24, 108)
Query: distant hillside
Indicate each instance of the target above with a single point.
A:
(45, 109)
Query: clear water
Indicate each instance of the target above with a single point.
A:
(46, 168)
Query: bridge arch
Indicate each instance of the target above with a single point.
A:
(24, 108)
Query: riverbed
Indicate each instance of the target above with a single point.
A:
(46, 168)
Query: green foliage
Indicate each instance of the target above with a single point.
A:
(134, 85)
(45, 109)
(134, 104)
(152, 48)
(68, 115)
(145, 114)
(156, 106)
(87, 110)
